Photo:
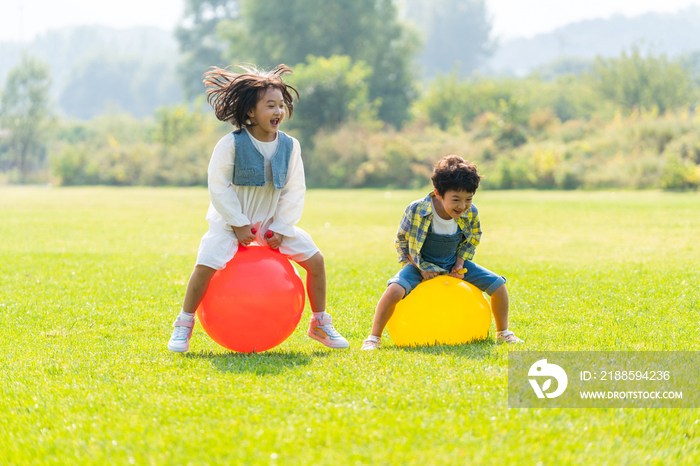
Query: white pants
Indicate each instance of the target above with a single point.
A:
(218, 247)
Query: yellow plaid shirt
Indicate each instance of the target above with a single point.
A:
(414, 228)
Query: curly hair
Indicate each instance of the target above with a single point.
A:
(456, 174)
(232, 95)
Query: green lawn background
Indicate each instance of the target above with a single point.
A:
(91, 279)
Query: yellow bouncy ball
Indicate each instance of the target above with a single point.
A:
(442, 310)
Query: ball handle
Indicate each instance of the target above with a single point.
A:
(268, 234)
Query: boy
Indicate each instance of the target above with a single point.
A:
(439, 234)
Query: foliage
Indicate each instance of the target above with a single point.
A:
(269, 32)
(200, 45)
(692, 63)
(636, 81)
(332, 91)
(573, 98)
(680, 174)
(353, 156)
(449, 101)
(102, 83)
(120, 150)
(456, 33)
(501, 108)
(176, 124)
(562, 133)
(25, 112)
(563, 66)
(640, 151)
(140, 61)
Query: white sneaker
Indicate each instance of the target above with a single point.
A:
(322, 330)
(180, 339)
(371, 344)
(507, 337)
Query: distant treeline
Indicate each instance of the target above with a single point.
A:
(606, 129)
(365, 121)
(97, 69)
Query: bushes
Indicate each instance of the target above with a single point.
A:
(336, 156)
(449, 102)
(634, 81)
(119, 150)
(635, 153)
(680, 174)
(138, 164)
(354, 157)
(681, 170)
(622, 153)
(643, 150)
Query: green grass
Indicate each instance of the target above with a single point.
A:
(91, 279)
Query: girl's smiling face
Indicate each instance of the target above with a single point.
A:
(453, 204)
(267, 115)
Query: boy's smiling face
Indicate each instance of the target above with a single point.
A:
(453, 204)
(267, 115)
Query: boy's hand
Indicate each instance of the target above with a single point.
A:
(428, 275)
(274, 240)
(244, 234)
(456, 272)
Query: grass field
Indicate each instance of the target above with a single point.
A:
(91, 279)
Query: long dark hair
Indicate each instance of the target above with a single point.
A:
(232, 95)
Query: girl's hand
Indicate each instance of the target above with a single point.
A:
(274, 240)
(244, 234)
(428, 275)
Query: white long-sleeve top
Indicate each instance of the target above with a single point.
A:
(263, 207)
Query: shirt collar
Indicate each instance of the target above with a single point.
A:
(426, 206)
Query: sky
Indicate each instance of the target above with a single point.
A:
(22, 20)
(526, 18)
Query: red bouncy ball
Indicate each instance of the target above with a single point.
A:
(255, 303)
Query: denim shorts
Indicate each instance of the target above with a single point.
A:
(410, 277)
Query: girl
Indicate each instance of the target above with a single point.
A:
(256, 186)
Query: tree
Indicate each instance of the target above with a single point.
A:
(100, 82)
(692, 64)
(332, 91)
(24, 110)
(457, 34)
(269, 32)
(200, 46)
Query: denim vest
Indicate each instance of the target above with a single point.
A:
(249, 163)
